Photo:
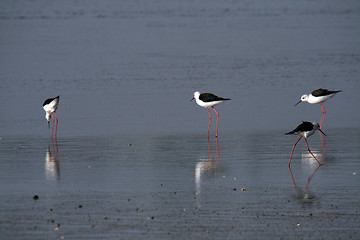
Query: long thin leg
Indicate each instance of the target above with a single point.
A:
(311, 152)
(321, 123)
(217, 122)
(323, 114)
(293, 151)
(52, 131)
(217, 148)
(209, 159)
(56, 125)
(55, 147)
(209, 121)
(323, 143)
(292, 178)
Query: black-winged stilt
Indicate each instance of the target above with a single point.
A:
(305, 130)
(318, 96)
(207, 100)
(50, 105)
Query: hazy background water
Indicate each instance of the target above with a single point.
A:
(132, 159)
(132, 66)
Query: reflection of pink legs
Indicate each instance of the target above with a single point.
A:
(217, 122)
(308, 181)
(311, 152)
(293, 151)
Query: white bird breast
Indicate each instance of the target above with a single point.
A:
(207, 104)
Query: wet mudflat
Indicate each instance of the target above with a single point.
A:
(174, 186)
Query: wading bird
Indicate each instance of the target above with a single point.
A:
(50, 105)
(305, 130)
(207, 100)
(318, 96)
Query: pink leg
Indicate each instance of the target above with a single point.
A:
(292, 178)
(52, 131)
(209, 121)
(217, 122)
(209, 159)
(311, 152)
(54, 147)
(323, 143)
(56, 125)
(321, 122)
(293, 151)
(217, 148)
(323, 115)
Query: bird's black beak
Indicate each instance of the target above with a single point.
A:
(322, 132)
(297, 103)
(49, 124)
(192, 99)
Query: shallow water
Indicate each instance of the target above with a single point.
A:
(132, 67)
(175, 186)
(132, 160)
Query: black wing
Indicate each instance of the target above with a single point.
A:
(303, 127)
(209, 97)
(323, 92)
(49, 100)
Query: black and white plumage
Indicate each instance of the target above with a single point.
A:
(305, 130)
(50, 106)
(318, 96)
(207, 100)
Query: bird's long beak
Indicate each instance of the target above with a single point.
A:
(322, 132)
(297, 103)
(49, 124)
(192, 99)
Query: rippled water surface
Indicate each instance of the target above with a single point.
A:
(132, 160)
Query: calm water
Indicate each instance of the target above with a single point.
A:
(169, 186)
(124, 67)
(132, 159)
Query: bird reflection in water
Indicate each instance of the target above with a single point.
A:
(302, 194)
(52, 170)
(206, 167)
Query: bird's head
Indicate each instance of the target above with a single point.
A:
(196, 95)
(317, 127)
(303, 98)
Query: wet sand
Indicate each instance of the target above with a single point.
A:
(168, 186)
